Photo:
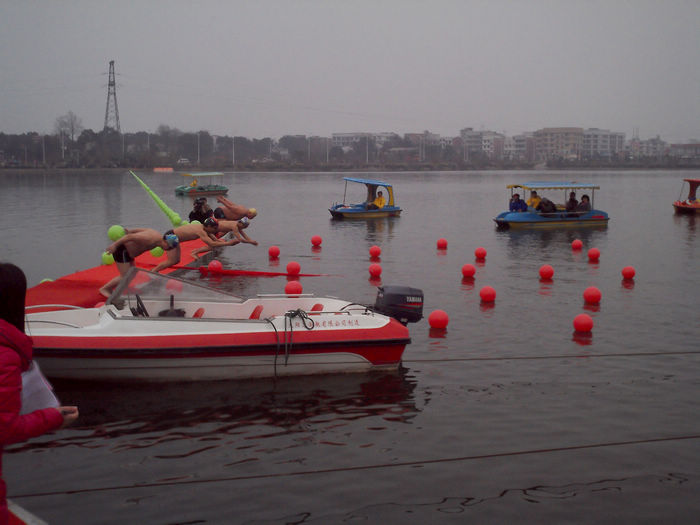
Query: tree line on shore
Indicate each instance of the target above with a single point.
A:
(71, 146)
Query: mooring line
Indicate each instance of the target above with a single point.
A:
(361, 467)
(556, 356)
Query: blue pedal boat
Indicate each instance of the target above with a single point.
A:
(363, 210)
(560, 218)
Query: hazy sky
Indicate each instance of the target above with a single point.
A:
(272, 67)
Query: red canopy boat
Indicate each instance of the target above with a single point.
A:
(691, 204)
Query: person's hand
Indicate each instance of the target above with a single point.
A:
(70, 414)
(254, 243)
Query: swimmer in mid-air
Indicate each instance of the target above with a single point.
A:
(189, 232)
(233, 231)
(232, 211)
(135, 242)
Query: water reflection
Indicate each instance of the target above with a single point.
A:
(213, 408)
(521, 242)
(377, 231)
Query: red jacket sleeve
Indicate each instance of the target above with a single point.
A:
(13, 427)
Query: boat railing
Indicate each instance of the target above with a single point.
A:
(66, 306)
(62, 323)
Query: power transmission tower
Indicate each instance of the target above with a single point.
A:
(112, 110)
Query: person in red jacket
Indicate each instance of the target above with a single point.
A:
(15, 357)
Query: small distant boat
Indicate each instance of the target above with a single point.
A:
(691, 204)
(194, 188)
(364, 210)
(160, 328)
(560, 218)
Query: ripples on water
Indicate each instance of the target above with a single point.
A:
(507, 416)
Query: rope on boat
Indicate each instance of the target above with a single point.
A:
(288, 318)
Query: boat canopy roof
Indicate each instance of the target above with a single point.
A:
(368, 181)
(546, 185)
(204, 174)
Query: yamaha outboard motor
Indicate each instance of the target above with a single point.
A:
(403, 303)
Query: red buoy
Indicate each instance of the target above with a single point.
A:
(480, 253)
(274, 252)
(583, 323)
(592, 295)
(468, 270)
(293, 287)
(293, 268)
(375, 251)
(316, 240)
(375, 270)
(546, 271)
(438, 319)
(487, 294)
(442, 244)
(593, 254)
(576, 244)
(628, 272)
(215, 266)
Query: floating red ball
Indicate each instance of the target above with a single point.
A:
(316, 240)
(438, 319)
(583, 323)
(592, 295)
(293, 287)
(215, 266)
(274, 252)
(593, 254)
(375, 251)
(468, 270)
(487, 294)
(546, 271)
(576, 244)
(442, 244)
(480, 253)
(293, 268)
(628, 272)
(375, 270)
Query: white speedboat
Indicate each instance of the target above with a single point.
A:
(159, 327)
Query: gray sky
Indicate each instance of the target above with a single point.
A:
(272, 67)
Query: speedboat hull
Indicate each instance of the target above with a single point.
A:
(535, 220)
(157, 328)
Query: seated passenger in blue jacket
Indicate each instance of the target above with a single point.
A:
(516, 204)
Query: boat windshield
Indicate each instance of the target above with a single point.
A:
(149, 285)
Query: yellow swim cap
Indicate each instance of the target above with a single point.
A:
(253, 212)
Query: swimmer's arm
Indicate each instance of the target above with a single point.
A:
(213, 243)
(247, 239)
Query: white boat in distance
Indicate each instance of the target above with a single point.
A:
(158, 327)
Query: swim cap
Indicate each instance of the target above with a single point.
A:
(253, 212)
(171, 240)
(211, 221)
(244, 220)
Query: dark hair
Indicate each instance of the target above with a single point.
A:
(13, 290)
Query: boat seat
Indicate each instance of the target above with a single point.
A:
(199, 313)
(318, 307)
(256, 312)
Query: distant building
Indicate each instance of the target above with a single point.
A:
(654, 147)
(685, 151)
(559, 143)
(602, 143)
(344, 140)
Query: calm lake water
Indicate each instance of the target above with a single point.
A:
(506, 417)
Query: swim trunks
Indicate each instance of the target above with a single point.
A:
(121, 255)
